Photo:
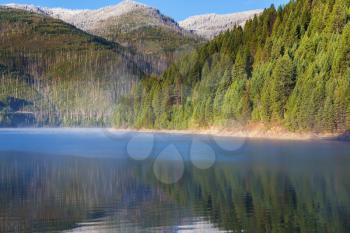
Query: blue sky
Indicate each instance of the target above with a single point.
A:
(177, 9)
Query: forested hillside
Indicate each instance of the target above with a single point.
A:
(52, 73)
(288, 67)
(157, 38)
(148, 32)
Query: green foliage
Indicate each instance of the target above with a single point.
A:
(288, 67)
(282, 84)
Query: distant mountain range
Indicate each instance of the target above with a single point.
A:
(211, 25)
(90, 20)
(101, 20)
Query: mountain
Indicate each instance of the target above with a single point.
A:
(90, 20)
(211, 25)
(52, 73)
(134, 25)
(145, 29)
(287, 68)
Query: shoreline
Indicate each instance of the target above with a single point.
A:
(260, 132)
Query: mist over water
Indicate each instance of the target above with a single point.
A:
(87, 181)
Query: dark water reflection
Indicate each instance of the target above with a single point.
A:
(266, 186)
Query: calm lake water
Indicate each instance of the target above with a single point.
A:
(102, 181)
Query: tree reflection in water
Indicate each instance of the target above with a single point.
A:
(45, 193)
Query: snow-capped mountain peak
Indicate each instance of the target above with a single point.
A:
(85, 19)
(121, 8)
(210, 25)
(131, 4)
(206, 26)
(88, 19)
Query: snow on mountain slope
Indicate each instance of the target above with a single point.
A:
(115, 16)
(209, 26)
(89, 20)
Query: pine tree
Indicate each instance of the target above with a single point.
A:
(282, 84)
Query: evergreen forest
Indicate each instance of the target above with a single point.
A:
(288, 67)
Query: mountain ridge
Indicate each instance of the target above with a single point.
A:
(211, 25)
(81, 17)
(204, 25)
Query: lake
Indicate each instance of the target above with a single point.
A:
(95, 180)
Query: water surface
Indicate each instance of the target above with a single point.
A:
(93, 181)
